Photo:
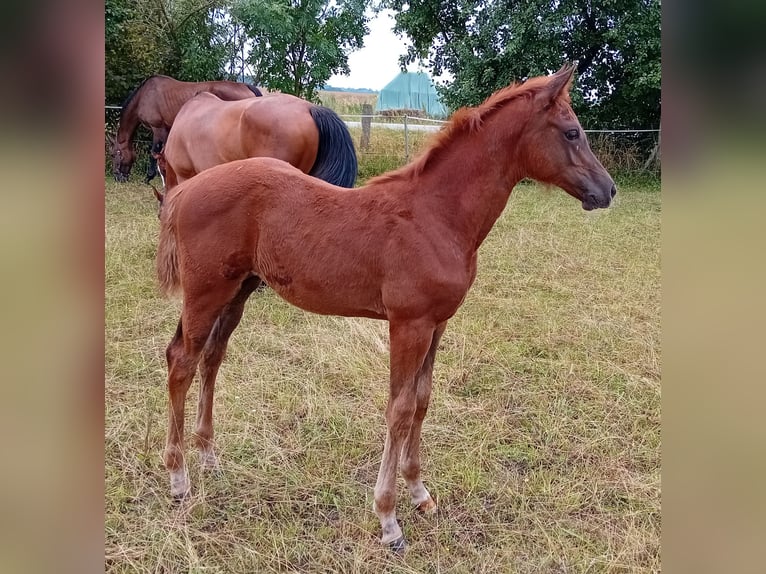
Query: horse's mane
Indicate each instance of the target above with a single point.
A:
(465, 121)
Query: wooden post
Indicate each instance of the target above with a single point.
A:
(364, 144)
(406, 141)
(655, 155)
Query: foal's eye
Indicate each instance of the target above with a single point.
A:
(572, 134)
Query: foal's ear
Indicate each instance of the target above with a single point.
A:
(560, 83)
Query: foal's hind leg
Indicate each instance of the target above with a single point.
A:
(181, 369)
(409, 461)
(212, 356)
(183, 354)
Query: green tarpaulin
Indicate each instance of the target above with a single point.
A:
(411, 91)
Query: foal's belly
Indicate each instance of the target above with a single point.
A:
(329, 298)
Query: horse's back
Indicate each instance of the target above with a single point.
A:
(280, 126)
(204, 134)
(209, 131)
(233, 90)
(163, 97)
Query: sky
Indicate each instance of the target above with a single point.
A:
(377, 63)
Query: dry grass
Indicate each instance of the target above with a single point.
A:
(388, 150)
(541, 445)
(347, 102)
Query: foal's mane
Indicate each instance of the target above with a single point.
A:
(468, 120)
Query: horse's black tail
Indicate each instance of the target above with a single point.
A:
(255, 90)
(336, 158)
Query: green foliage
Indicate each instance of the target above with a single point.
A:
(122, 73)
(187, 39)
(487, 44)
(298, 44)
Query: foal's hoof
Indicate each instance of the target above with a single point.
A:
(209, 462)
(428, 506)
(398, 546)
(179, 498)
(180, 487)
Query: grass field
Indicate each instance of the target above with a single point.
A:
(541, 446)
(347, 102)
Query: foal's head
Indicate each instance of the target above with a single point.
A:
(558, 151)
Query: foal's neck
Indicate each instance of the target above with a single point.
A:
(472, 179)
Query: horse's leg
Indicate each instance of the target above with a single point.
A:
(183, 355)
(151, 170)
(159, 137)
(212, 356)
(180, 374)
(410, 342)
(410, 456)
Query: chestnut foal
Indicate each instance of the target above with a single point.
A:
(402, 249)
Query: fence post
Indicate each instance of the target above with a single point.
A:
(364, 144)
(406, 141)
(655, 154)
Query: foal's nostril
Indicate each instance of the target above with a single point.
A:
(614, 191)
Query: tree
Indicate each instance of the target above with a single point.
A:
(121, 72)
(298, 44)
(187, 39)
(487, 44)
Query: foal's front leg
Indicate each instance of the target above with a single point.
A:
(410, 343)
(410, 457)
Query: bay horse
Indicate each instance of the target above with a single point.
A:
(209, 131)
(402, 248)
(155, 104)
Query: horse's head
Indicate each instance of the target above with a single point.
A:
(561, 155)
(123, 157)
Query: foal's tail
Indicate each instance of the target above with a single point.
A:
(167, 250)
(336, 158)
